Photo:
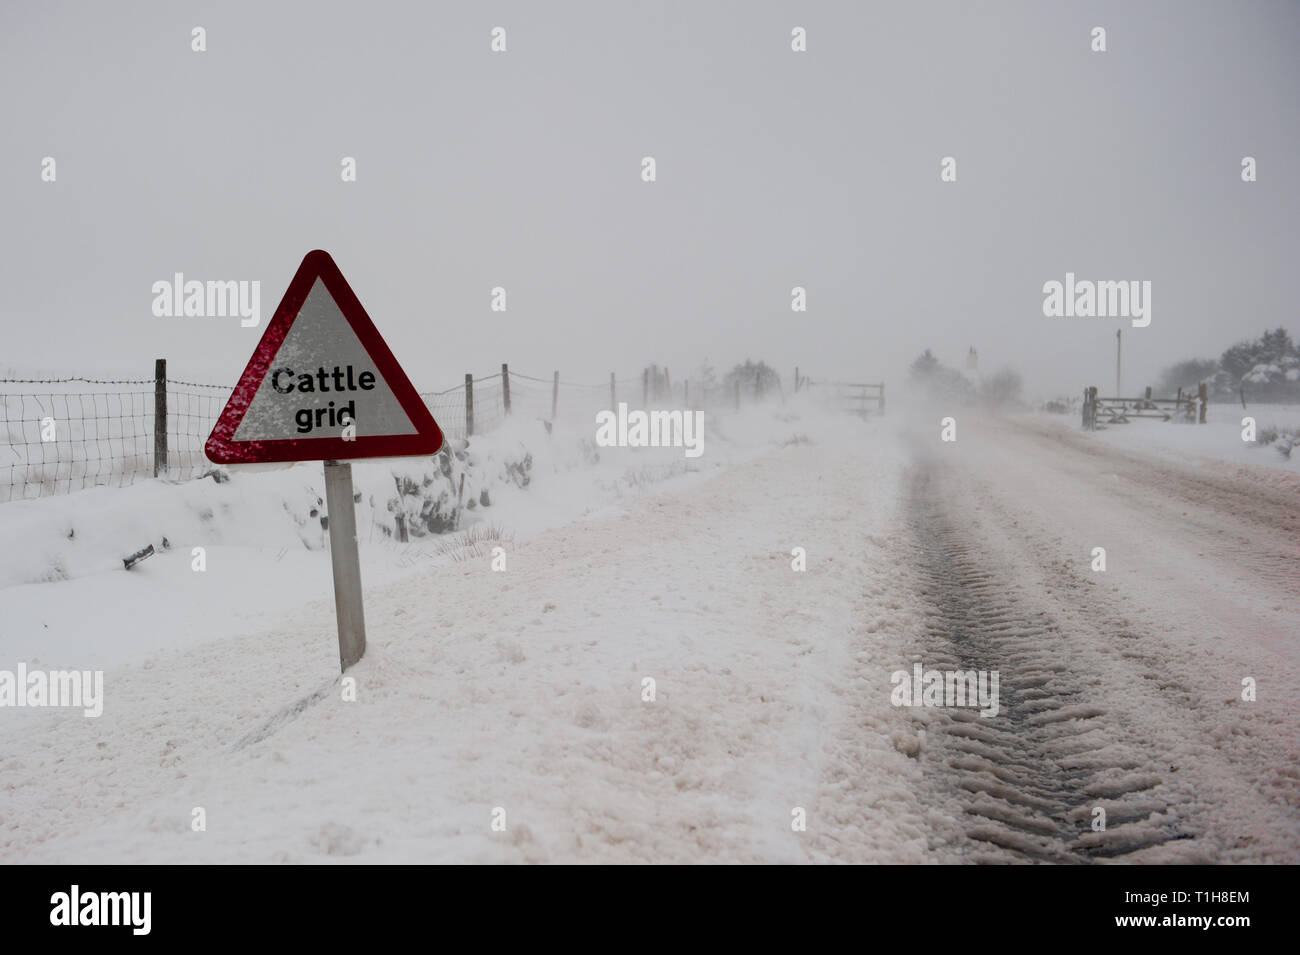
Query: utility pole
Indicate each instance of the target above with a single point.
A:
(1118, 333)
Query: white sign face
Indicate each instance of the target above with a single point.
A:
(321, 379)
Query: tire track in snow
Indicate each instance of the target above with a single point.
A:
(1030, 777)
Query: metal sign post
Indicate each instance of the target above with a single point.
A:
(322, 385)
(346, 562)
(1118, 336)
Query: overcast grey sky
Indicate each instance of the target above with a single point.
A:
(775, 169)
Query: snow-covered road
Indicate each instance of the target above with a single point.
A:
(520, 696)
(1122, 688)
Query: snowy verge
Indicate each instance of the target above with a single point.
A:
(67, 599)
(1219, 438)
(522, 695)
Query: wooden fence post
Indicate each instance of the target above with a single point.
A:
(469, 404)
(1203, 395)
(796, 379)
(555, 395)
(160, 417)
(882, 397)
(505, 386)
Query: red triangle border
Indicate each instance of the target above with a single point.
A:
(222, 448)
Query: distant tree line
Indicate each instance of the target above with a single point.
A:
(1267, 369)
(757, 378)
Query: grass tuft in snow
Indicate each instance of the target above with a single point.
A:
(639, 479)
(476, 541)
(1283, 440)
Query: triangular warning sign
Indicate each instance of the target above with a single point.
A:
(322, 385)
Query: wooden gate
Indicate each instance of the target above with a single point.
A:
(859, 398)
(1099, 411)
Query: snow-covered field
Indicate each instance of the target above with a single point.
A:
(520, 695)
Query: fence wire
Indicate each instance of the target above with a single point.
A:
(58, 442)
(448, 409)
(191, 416)
(66, 437)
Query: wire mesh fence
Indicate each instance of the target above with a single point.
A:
(59, 435)
(191, 414)
(74, 433)
(62, 439)
(448, 409)
(489, 403)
